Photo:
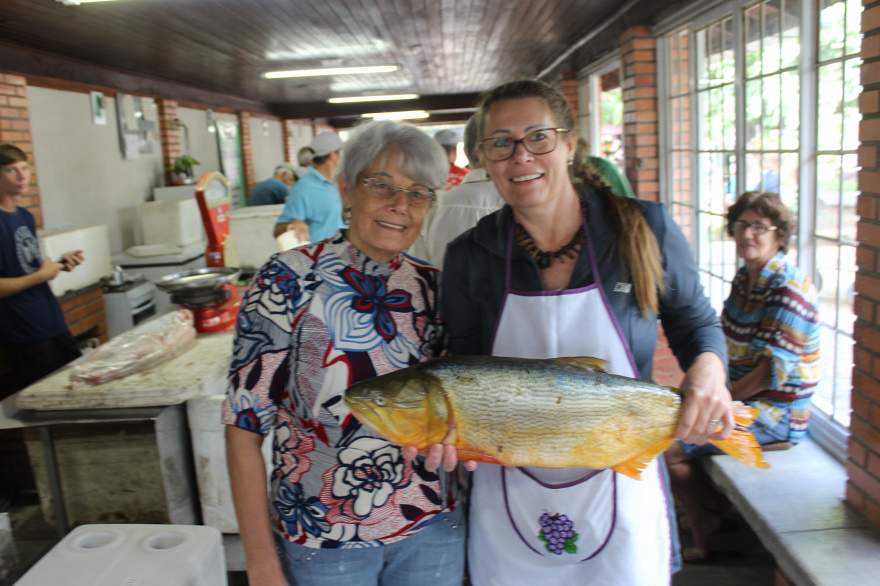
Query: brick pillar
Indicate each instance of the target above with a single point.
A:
(665, 370)
(172, 146)
(247, 151)
(640, 138)
(287, 137)
(641, 157)
(568, 85)
(863, 465)
(15, 128)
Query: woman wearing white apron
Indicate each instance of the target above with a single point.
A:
(573, 271)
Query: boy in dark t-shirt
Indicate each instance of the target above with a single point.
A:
(34, 339)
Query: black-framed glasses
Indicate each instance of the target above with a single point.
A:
(418, 197)
(538, 142)
(758, 228)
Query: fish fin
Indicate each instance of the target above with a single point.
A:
(743, 414)
(637, 464)
(586, 362)
(465, 454)
(741, 444)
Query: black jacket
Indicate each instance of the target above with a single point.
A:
(473, 286)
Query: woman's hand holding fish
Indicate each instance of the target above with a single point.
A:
(706, 402)
(437, 456)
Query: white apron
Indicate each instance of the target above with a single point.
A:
(567, 527)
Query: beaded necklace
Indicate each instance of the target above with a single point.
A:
(545, 258)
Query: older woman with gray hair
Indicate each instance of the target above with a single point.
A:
(344, 506)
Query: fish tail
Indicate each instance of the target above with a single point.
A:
(741, 444)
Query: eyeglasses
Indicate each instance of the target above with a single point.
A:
(417, 198)
(538, 142)
(758, 228)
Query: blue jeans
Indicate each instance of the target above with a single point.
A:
(434, 555)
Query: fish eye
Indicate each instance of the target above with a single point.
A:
(379, 400)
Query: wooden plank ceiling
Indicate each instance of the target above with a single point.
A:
(442, 46)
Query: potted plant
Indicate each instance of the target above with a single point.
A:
(182, 170)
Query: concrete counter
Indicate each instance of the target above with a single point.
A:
(198, 372)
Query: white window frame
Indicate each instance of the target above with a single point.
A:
(693, 17)
(588, 95)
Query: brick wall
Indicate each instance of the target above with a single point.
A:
(665, 370)
(640, 138)
(247, 151)
(170, 134)
(84, 313)
(15, 128)
(863, 466)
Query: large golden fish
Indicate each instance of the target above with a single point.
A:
(555, 413)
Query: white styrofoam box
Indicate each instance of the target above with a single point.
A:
(209, 453)
(94, 241)
(250, 234)
(111, 555)
(175, 192)
(176, 222)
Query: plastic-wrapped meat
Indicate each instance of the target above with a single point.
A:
(137, 350)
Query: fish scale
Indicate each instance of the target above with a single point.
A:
(553, 413)
(537, 413)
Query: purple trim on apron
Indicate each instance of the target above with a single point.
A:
(602, 546)
(557, 293)
(596, 279)
(506, 285)
(668, 506)
(588, 475)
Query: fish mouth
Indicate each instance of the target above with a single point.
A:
(378, 421)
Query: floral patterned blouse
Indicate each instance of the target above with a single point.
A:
(315, 320)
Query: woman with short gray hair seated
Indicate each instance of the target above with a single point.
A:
(345, 508)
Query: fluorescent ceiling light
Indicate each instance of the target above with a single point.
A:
(326, 52)
(388, 83)
(376, 98)
(403, 115)
(330, 71)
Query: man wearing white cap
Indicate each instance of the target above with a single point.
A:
(314, 209)
(273, 190)
(448, 139)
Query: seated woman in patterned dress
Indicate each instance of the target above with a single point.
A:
(344, 507)
(771, 324)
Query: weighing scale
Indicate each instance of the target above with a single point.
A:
(209, 293)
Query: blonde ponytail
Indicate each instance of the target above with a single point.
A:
(636, 242)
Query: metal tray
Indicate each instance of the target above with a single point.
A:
(206, 278)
